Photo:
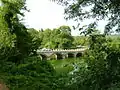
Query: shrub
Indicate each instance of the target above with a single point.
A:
(32, 74)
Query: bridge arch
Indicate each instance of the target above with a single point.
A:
(71, 55)
(59, 56)
(79, 54)
(43, 57)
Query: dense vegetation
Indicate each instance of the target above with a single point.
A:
(59, 38)
(22, 69)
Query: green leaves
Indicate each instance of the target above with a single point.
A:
(13, 32)
(31, 74)
(56, 38)
(101, 69)
(96, 10)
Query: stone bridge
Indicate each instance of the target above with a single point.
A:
(60, 54)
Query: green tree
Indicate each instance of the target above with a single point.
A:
(80, 40)
(57, 38)
(65, 29)
(101, 70)
(36, 39)
(63, 37)
(11, 13)
(18, 70)
(46, 38)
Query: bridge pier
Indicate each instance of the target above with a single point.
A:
(65, 55)
(75, 55)
(55, 56)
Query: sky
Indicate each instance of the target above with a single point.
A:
(46, 14)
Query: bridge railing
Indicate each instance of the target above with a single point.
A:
(63, 50)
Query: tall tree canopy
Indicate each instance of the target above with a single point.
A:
(10, 18)
(57, 38)
(95, 9)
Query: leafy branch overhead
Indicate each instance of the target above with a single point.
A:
(79, 10)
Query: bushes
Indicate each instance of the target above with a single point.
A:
(103, 67)
(32, 74)
(100, 70)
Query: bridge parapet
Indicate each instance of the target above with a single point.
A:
(68, 50)
(63, 50)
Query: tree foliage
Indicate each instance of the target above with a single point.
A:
(80, 10)
(10, 15)
(19, 71)
(101, 69)
(57, 38)
(80, 40)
